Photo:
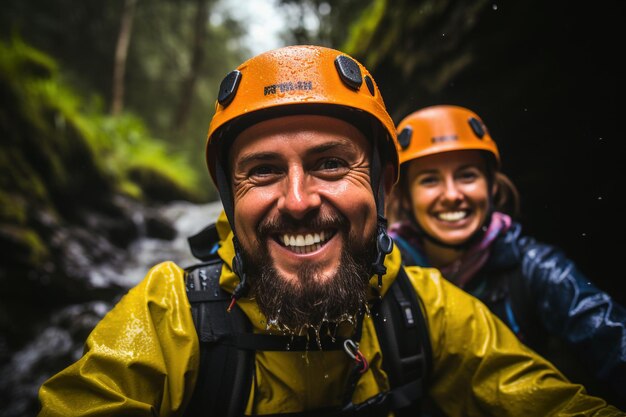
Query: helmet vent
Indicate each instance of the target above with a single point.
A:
(404, 138)
(349, 72)
(370, 85)
(228, 88)
(477, 127)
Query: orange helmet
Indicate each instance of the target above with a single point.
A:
(299, 80)
(443, 128)
(302, 80)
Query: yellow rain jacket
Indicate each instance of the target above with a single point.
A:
(142, 359)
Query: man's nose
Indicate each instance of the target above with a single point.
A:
(299, 196)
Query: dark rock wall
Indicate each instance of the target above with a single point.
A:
(546, 77)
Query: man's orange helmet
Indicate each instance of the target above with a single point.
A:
(299, 80)
(443, 128)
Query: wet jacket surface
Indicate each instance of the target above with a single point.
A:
(142, 359)
(547, 301)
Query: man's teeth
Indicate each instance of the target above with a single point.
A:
(303, 240)
(452, 216)
(308, 242)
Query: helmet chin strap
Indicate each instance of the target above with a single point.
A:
(384, 243)
(239, 266)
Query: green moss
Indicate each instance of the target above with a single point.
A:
(18, 176)
(364, 28)
(25, 244)
(61, 144)
(12, 208)
(157, 184)
(131, 189)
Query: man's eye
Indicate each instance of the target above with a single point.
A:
(262, 171)
(332, 164)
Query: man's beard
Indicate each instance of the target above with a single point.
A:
(313, 300)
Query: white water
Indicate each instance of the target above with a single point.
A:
(187, 218)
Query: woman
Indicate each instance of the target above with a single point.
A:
(450, 211)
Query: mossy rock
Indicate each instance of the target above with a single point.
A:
(24, 244)
(159, 187)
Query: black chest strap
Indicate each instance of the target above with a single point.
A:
(405, 343)
(225, 375)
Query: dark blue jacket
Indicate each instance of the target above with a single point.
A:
(543, 297)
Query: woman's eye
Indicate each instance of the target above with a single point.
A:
(468, 175)
(427, 180)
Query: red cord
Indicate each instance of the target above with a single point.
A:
(362, 361)
(233, 300)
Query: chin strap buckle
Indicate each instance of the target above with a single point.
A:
(384, 244)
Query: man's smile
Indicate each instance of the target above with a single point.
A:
(303, 243)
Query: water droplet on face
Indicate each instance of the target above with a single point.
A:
(494, 7)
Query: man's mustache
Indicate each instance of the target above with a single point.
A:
(316, 220)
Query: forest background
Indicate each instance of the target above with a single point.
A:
(104, 108)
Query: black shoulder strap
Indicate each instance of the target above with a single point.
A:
(204, 243)
(405, 343)
(224, 389)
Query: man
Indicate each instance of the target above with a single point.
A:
(303, 151)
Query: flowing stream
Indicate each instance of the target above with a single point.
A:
(59, 341)
(187, 219)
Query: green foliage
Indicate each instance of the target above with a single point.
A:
(132, 149)
(58, 133)
(362, 30)
(82, 37)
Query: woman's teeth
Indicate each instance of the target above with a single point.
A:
(452, 216)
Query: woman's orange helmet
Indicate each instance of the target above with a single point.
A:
(299, 80)
(443, 128)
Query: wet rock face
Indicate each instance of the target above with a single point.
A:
(31, 286)
(57, 344)
(46, 313)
